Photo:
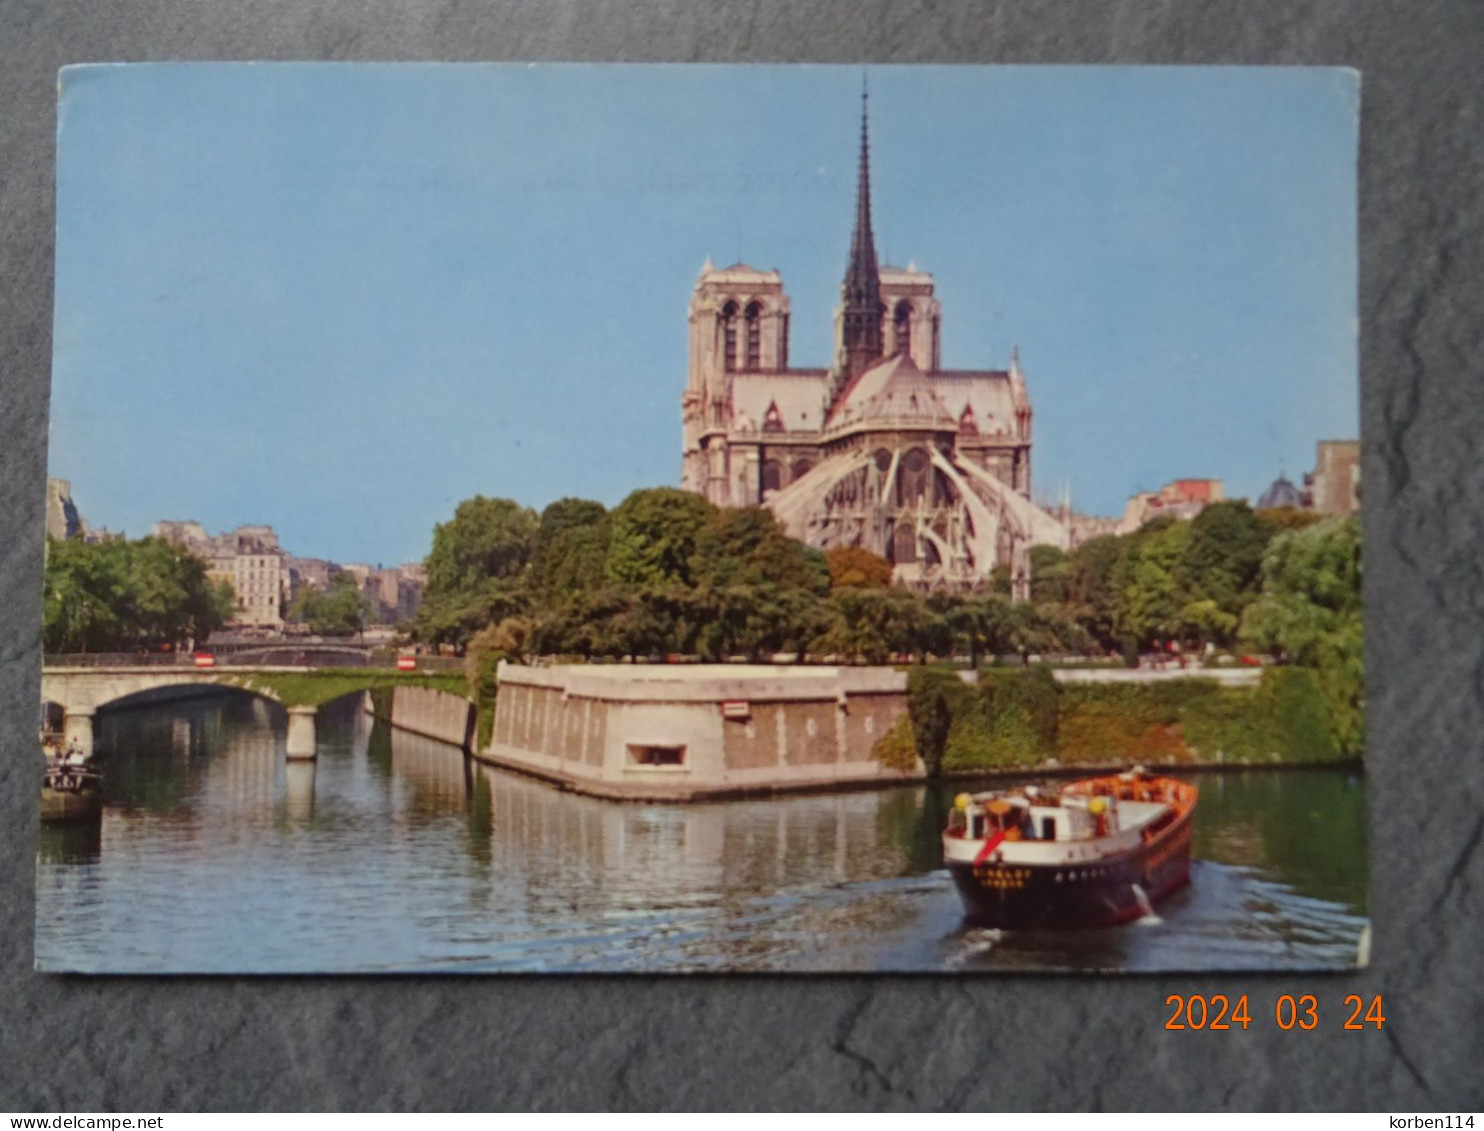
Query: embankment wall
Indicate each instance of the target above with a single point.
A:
(683, 733)
(430, 713)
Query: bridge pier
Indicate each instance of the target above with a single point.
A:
(301, 732)
(77, 729)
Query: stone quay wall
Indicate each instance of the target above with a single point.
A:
(432, 714)
(693, 732)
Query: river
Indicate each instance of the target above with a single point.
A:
(396, 853)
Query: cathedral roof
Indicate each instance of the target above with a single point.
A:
(895, 390)
(797, 393)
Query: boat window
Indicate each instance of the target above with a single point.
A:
(1048, 828)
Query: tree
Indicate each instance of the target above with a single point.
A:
(873, 624)
(571, 549)
(1221, 560)
(748, 546)
(83, 607)
(978, 623)
(339, 610)
(1092, 594)
(1281, 519)
(1310, 591)
(1309, 612)
(857, 568)
(654, 537)
(454, 617)
(1051, 575)
(486, 538)
(120, 595)
(1149, 581)
(475, 569)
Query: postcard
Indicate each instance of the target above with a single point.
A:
(703, 518)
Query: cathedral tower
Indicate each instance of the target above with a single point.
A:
(738, 327)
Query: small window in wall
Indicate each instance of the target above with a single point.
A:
(1048, 828)
(657, 755)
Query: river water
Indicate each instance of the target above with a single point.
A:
(396, 853)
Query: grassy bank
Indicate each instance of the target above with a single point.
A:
(1025, 718)
(322, 685)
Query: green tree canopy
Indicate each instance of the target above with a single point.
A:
(1223, 556)
(654, 537)
(120, 595)
(1051, 574)
(571, 549)
(1310, 612)
(748, 546)
(1149, 581)
(1092, 596)
(340, 609)
(476, 569)
(486, 538)
(1280, 519)
(1310, 591)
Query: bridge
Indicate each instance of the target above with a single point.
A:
(81, 690)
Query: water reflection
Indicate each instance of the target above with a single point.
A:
(299, 790)
(73, 843)
(394, 852)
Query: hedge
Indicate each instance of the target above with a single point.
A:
(1026, 718)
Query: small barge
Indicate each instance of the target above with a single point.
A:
(71, 789)
(1089, 853)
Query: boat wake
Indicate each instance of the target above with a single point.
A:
(1148, 916)
(975, 943)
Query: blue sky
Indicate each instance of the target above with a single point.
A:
(341, 298)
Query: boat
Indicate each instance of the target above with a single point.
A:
(71, 788)
(1089, 853)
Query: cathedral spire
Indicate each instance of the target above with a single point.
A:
(861, 291)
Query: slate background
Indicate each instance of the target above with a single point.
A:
(857, 1042)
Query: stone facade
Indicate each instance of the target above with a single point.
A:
(1180, 498)
(249, 557)
(885, 449)
(678, 733)
(62, 517)
(1333, 487)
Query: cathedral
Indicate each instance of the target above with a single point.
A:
(928, 467)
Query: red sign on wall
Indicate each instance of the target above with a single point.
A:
(407, 663)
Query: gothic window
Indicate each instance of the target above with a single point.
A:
(729, 337)
(801, 468)
(904, 544)
(902, 327)
(914, 477)
(772, 475)
(754, 318)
